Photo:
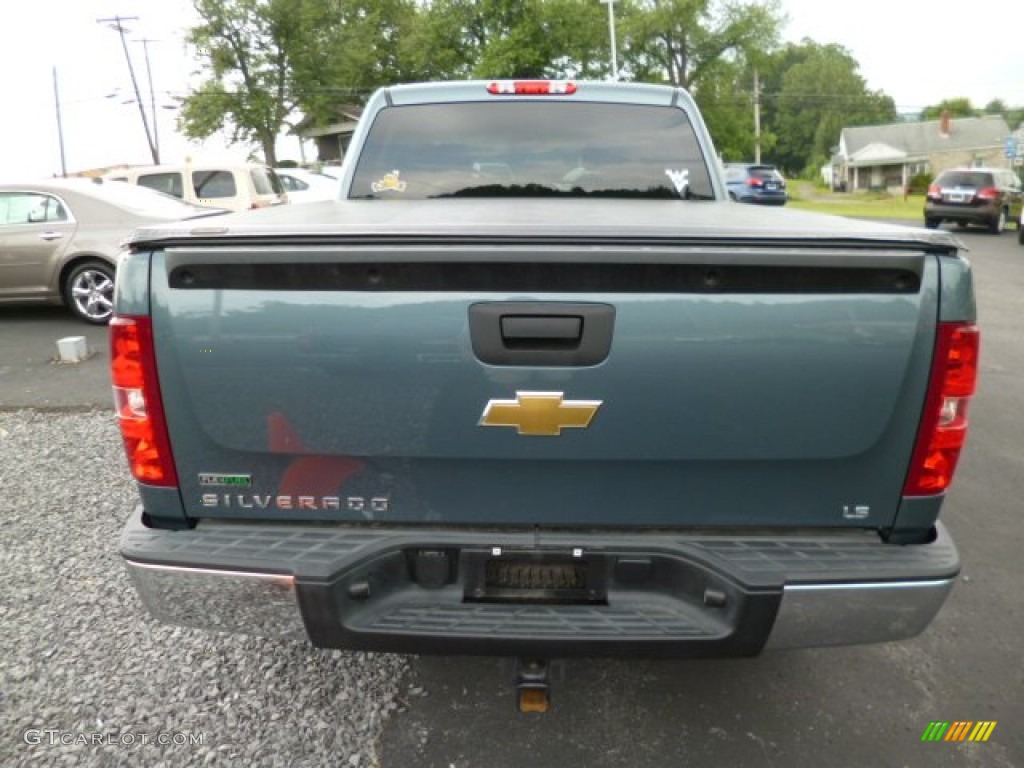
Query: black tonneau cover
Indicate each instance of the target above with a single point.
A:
(632, 221)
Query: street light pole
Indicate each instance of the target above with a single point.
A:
(60, 127)
(611, 34)
(116, 24)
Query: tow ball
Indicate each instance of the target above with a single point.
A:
(532, 685)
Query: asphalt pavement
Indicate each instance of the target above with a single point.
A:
(29, 373)
(855, 706)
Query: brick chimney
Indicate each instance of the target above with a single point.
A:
(944, 124)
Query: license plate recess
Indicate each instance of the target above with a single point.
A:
(535, 577)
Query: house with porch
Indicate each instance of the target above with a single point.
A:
(888, 156)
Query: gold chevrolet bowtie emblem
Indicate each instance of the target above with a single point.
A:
(539, 413)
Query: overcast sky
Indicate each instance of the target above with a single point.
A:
(917, 51)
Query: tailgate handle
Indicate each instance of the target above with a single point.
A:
(541, 333)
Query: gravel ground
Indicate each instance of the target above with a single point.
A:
(88, 679)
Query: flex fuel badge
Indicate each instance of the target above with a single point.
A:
(232, 481)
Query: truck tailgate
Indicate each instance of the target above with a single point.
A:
(758, 387)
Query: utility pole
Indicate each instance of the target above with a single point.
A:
(115, 23)
(152, 100)
(611, 34)
(757, 118)
(60, 127)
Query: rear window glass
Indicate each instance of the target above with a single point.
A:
(965, 179)
(292, 184)
(534, 149)
(168, 183)
(266, 182)
(214, 184)
(764, 172)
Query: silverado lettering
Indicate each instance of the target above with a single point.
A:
(252, 501)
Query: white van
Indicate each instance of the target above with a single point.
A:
(213, 185)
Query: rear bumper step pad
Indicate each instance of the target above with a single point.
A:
(667, 594)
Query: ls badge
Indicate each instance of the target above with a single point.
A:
(539, 413)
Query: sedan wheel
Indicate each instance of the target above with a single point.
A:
(89, 291)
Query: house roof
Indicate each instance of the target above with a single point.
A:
(345, 118)
(878, 153)
(864, 144)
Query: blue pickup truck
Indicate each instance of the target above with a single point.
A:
(535, 387)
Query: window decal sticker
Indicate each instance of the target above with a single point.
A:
(680, 180)
(390, 183)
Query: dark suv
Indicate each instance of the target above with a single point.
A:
(990, 197)
(750, 183)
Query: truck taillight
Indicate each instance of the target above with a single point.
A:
(988, 193)
(934, 191)
(137, 401)
(943, 428)
(531, 88)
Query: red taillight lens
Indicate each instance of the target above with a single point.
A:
(531, 88)
(988, 193)
(752, 182)
(934, 190)
(943, 427)
(137, 401)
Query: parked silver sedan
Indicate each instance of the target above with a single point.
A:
(59, 239)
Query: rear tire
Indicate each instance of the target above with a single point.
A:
(89, 291)
(998, 224)
(1020, 233)
(931, 223)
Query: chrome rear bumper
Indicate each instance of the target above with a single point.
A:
(816, 615)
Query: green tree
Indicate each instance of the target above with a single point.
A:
(510, 38)
(996, 107)
(812, 92)
(245, 48)
(727, 105)
(268, 62)
(683, 40)
(1015, 118)
(350, 48)
(577, 33)
(958, 107)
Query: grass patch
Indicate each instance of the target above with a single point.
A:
(872, 206)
